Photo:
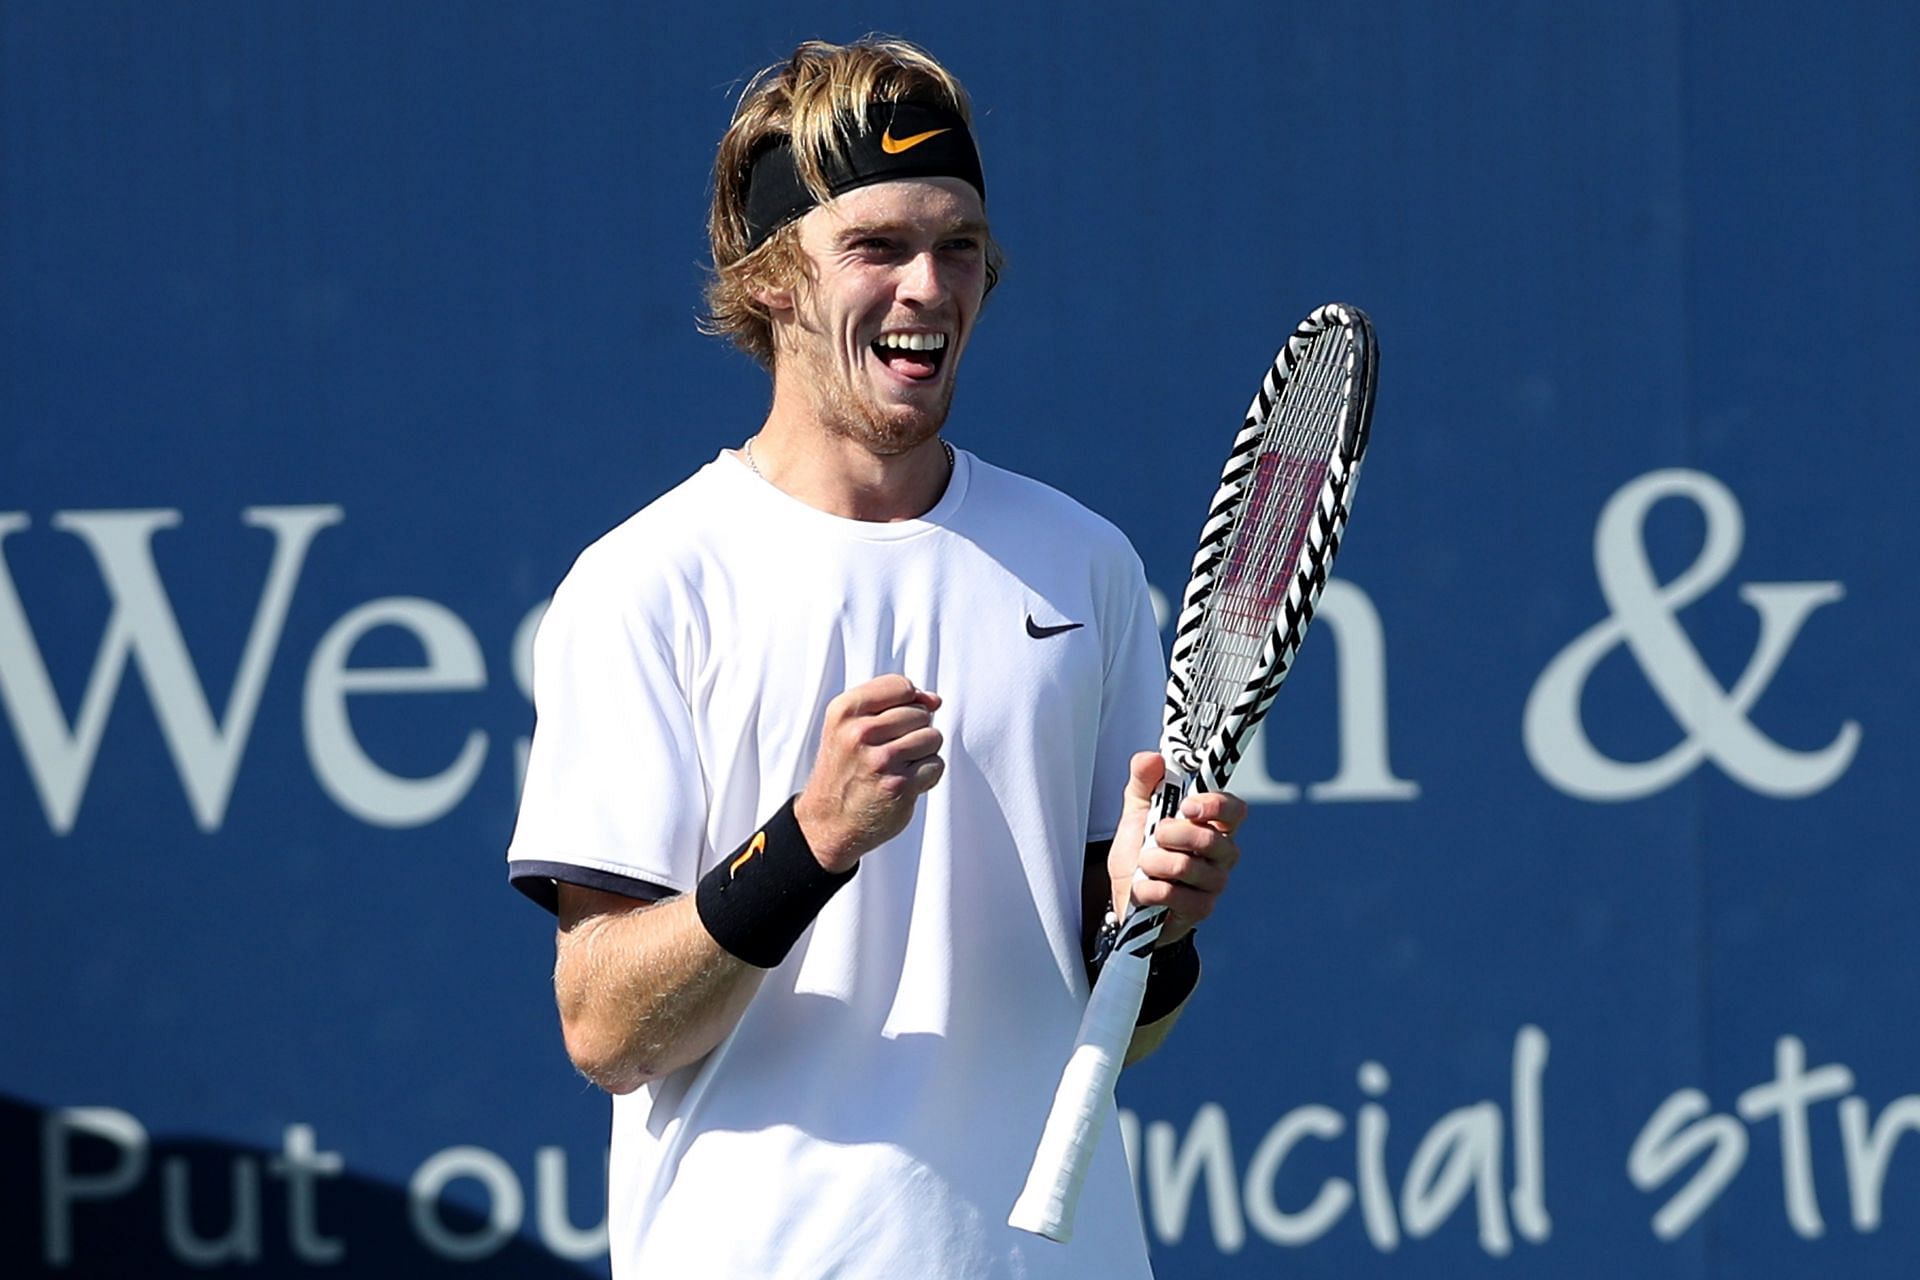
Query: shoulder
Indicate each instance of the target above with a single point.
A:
(1061, 549)
(679, 520)
(674, 535)
(649, 566)
(1039, 510)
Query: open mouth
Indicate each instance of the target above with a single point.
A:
(912, 355)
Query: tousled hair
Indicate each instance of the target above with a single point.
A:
(815, 98)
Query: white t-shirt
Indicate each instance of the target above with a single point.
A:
(875, 1110)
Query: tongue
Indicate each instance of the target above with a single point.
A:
(910, 364)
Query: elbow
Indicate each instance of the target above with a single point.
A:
(604, 1058)
(598, 1033)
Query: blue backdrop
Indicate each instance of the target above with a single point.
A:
(1575, 929)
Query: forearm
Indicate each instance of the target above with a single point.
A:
(645, 992)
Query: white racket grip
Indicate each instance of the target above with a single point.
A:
(1046, 1205)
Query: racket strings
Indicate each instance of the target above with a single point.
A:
(1261, 557)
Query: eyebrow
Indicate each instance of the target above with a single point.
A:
(860, 231)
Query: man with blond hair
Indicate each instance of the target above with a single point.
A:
(835, 773)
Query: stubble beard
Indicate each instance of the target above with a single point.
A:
(850, 411)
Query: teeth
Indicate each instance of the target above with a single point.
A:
(912, 341)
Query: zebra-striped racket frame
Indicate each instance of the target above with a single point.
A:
(1081, 1103)
(1213, 760)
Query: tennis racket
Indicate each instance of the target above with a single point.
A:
(1265, 551)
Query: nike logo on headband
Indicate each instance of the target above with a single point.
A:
(894, 146)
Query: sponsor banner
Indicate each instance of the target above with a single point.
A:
(1573, 927)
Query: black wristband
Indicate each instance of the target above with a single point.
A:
(1173, 971)
(759, 901)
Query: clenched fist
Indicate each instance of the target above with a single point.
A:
(879, 752)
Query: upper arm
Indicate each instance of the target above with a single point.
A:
(577, 903)
(613, 795)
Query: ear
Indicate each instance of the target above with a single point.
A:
(776, 301)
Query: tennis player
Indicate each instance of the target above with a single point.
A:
(835, 772)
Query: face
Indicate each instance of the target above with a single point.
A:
(870, 343)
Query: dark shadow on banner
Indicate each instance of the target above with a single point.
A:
(125, 1205)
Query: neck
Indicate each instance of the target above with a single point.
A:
(843, 475)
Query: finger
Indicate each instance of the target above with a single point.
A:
(1145, 772)
(1220, 809)
(1179, 839)
(1184, 903)
(926, 772)
(1174, 868)
(878, 694)
(897, 755)
(1170, 860)
(910, 777)
(895, 722)
(1178, 835)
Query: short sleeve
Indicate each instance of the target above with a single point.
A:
(1131, 698)
(614, 797)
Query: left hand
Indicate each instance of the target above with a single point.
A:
(1193, 855)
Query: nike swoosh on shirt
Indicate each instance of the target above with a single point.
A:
(894, 146)
(1039, 632)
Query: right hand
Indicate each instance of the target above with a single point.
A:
(879, 752)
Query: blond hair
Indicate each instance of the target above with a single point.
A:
(815, 98)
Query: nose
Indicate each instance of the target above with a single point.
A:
(922, 280)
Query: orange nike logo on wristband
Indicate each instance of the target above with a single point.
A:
(894, 146)
(755, 845)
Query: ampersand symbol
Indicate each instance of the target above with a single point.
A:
(1643, 615)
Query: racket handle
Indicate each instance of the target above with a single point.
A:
(1066, 1147)
(1046, 1205)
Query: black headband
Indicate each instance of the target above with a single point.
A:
(901, 140)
